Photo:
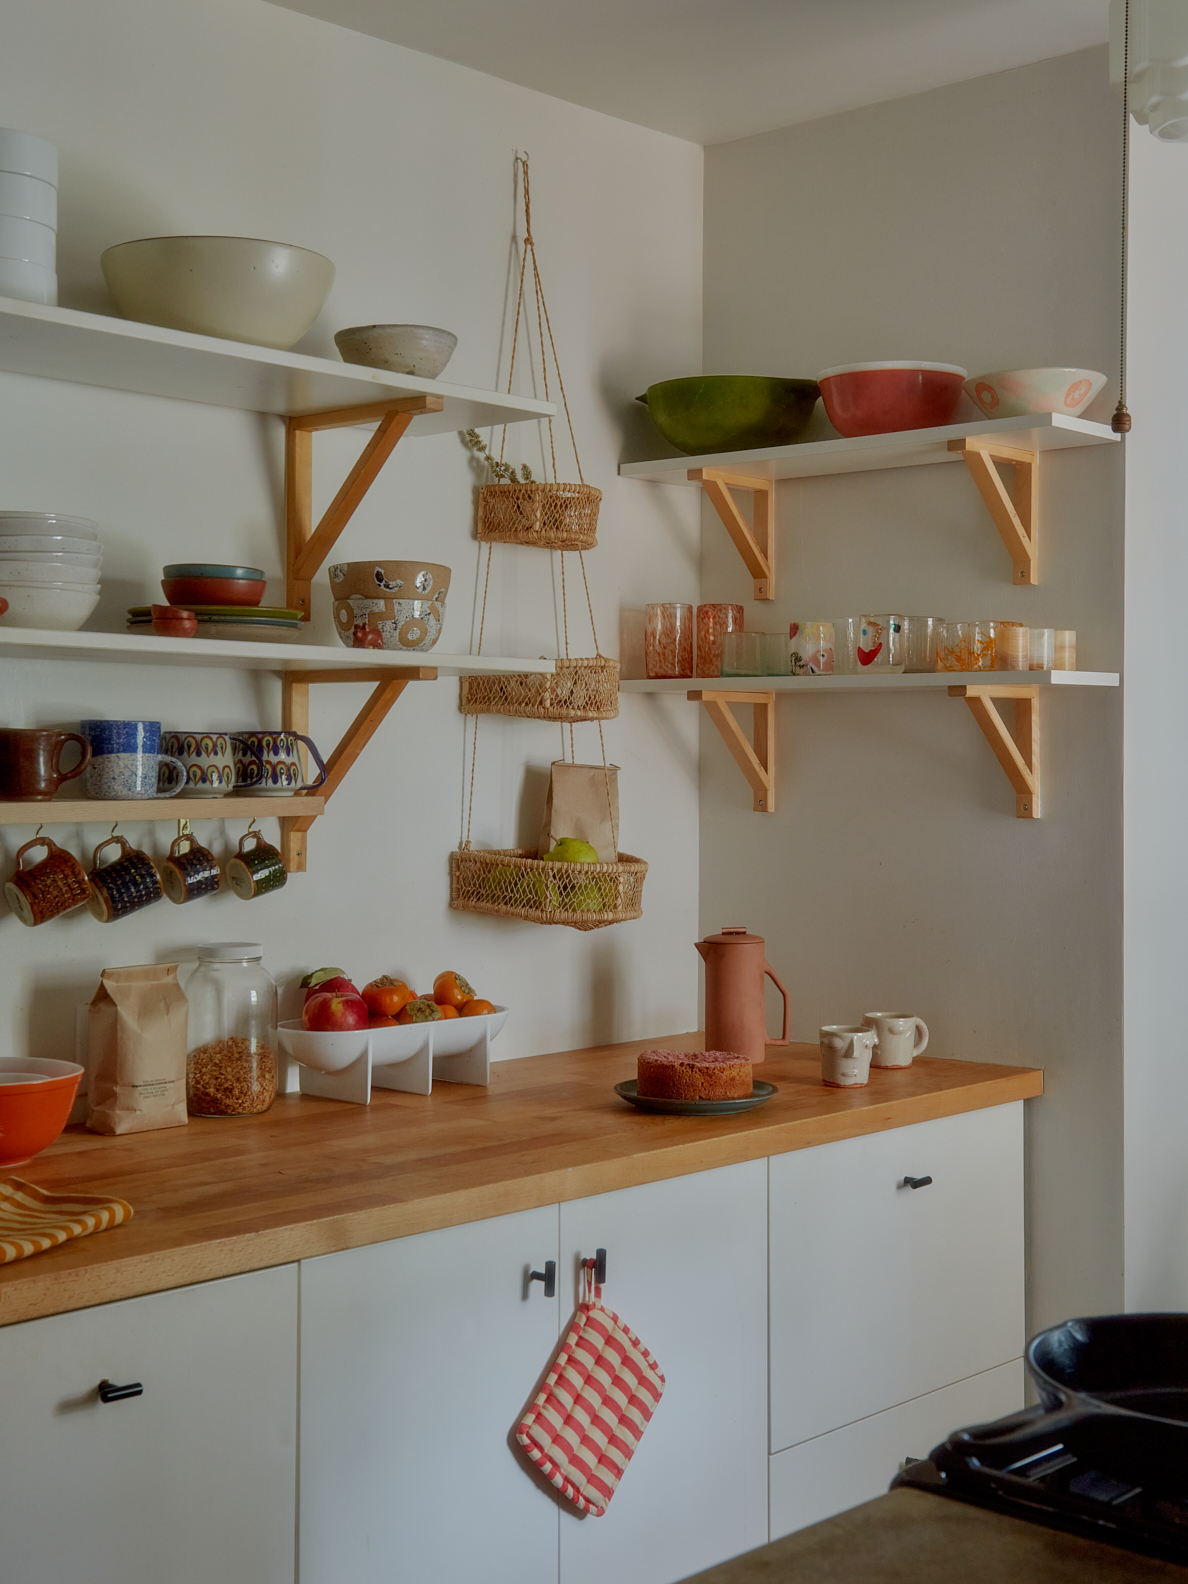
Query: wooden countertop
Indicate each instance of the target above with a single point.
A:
(914, 1537)
(312, 1176)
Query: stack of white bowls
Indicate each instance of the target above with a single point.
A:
(49, 569)
(28, 217)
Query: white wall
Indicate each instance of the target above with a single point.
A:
(233, 116)
(976, 225)
(1156, 748)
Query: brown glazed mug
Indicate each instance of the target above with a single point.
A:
(254, 873)
(123, 886)
(55, 885)
(31, 762)
(190, 871)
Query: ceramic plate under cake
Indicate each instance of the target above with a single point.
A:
(629, 1091)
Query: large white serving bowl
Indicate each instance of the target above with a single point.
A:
(52, 572)
(38, 605)
(38, 545)
(1015, 393)
(238, 288)
(330, 1053)
(42, 524)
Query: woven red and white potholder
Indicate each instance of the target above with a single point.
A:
(593, 1408)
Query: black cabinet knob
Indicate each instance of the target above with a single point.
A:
(109, 1392)
(916, 1182)
(548, 1276)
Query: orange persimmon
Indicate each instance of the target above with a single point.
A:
(419, 1010)
(450, 989)
(448, 1011)
(383, 1022)
(477, 1007)
(385, 996)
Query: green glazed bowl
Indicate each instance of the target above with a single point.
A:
(730, 412)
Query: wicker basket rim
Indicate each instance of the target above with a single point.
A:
(526, 857)
(541, 484)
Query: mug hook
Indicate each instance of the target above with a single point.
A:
(183, 828)
(113, 830)
(251, 826)
(39, 830)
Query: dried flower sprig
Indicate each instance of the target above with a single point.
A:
(503, 471)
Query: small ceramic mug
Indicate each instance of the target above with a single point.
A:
(55, 885)
(127, 884)
(190, 871)
(256, 870)
(845, 1055)
(31, 762)
(207, 757)
(898, 1037)
(268, 763)
(134, 775)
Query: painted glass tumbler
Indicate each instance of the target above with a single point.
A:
(713, 623)
(31, 762)
(56, 884)
(124, 886)
(190, 871)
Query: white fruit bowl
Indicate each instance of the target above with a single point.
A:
(331, 1053)
(39, 605)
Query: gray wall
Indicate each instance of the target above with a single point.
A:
(975, 225)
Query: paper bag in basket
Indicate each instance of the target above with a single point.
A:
(578, 806)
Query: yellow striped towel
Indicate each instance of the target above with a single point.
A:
(32, 1220)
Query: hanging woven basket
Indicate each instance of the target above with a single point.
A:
(514, 883)
(580, 690)
(548, 516)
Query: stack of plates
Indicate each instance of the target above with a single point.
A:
(49, 569)
(28, 217)
(258, 623)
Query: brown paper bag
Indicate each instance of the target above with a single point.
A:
(138, 1050)
(577, 806)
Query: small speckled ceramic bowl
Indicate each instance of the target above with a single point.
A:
(422, 350)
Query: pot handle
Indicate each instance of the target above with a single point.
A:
(783, 1039)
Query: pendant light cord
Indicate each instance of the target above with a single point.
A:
(1121, 421)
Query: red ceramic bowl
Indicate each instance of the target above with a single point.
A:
(213, 590)
(884, 398)
(172, 621)
(32, 1114)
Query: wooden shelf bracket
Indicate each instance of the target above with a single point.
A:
(307, 547)
(757, 547)
(1016, 515)
(390, 683)
(756, 762)
(1017, 753)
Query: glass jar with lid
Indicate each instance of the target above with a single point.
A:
(231, 1060)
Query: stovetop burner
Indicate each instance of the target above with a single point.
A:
(1105, 1455)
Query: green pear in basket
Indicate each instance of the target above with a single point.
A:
(588, 894)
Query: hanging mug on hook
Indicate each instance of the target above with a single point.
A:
(56, 884)
(124, 886)
(190, 871)
(255, 869)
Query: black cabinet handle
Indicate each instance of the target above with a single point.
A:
(548, 1276)
(916, 1182)
(112, 1393)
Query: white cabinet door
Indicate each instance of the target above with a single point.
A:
(686, 1270)
(824, 1476)
(880, 1292)
(417, 1359)
(193, 1482)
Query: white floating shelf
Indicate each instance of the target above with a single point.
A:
(102, 811)
(119, 354)
(907, 681)
(908, 448)
(30, 643)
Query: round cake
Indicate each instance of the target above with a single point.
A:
(694, 1075)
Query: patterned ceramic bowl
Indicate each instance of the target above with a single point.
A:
(1014, 393)
(389, 604)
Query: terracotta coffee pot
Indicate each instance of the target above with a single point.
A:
(734, 972)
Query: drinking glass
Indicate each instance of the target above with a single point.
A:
(884, 635)
(954, 650)
(1065, 655)
(983, 648)
(812, 648)
(776, 651)
(668, 640)
(1010, 646)
(742, 654)
(1042, 649)
(846, 632)
(713, 623)
(920, 637)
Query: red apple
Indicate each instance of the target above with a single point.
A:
(331, 1013)
(336, 986)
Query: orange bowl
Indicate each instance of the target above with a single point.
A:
(36, 1095)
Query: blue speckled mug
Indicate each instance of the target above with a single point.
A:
(122, 736)
(134, 775)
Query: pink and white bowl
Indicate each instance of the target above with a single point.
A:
(885, 398)
(1017, 393)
